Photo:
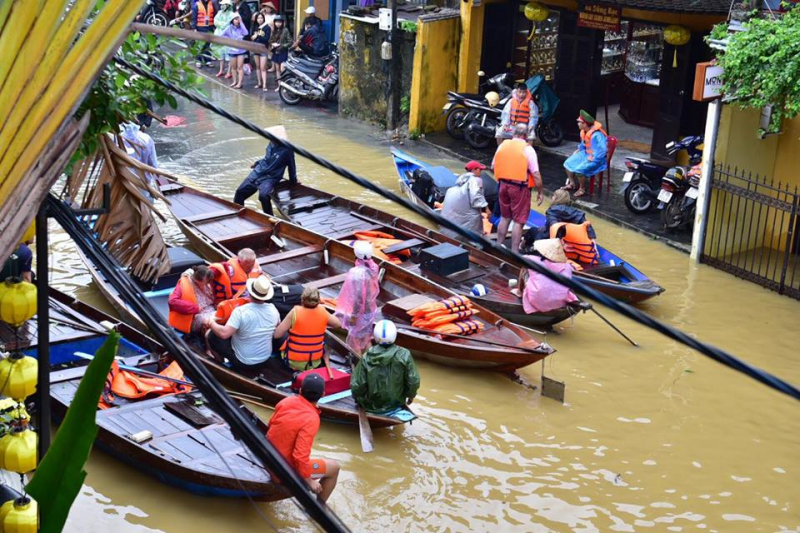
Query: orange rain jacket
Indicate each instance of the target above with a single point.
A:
(292, 430)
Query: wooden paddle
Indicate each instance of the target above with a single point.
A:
(469, 338)
(248, 398)
(364, 429)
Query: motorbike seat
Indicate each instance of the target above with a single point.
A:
(310, 62)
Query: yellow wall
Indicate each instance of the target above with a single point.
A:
(787, 162)
(435, 72)
(299, 14)
(738, 144)
(469, 60)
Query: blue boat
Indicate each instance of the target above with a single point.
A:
(613, 276)
(176, 438)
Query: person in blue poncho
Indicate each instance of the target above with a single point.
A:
(590, 157)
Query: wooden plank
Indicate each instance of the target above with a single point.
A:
(290, 254)
(402, 246)
(204, 217)
(311, 206)
(327, 282)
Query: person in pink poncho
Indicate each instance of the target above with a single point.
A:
(539, 293)
(357, 304)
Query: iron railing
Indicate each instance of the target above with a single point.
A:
(753, 229)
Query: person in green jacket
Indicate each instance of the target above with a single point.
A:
(386, 377)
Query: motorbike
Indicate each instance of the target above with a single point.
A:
(678, 197)
(457, 105)
(152, 14)
(310, 78)
(483, 120)
(641, 183)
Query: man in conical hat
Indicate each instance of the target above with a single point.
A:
(268, 171)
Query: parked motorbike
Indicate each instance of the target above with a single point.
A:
(457, 106)
(678, 197)
(310, 78)
(152, 14)
(641, 183)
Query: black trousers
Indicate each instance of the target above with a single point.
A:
(249, 187)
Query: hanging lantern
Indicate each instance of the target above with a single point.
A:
(13, 412)
(676, 36)
(20, 516)
(18, 374)
(18, 450)
(535, 12)
(17, 301)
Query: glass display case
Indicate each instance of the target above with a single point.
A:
(643, 60)
(542, 50)
(614, 50)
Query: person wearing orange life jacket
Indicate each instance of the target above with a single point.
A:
(591, 156)
(192, 301)
(244, 268)
(578, 245)
(222, 282)
(520, 109)
(203, 12)
(516, 168)
(303, 349)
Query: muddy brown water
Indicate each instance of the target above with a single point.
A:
(657, 438)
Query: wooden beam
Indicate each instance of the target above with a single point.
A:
(198, 36)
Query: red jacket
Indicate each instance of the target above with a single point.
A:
(177, 303)
(292, 430)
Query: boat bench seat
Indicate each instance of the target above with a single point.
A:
(326, 282)
(402, 246)
(310, 206)
(290, 254)
(204, 217)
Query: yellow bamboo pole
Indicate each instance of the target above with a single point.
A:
(15, 32)
(5, 9)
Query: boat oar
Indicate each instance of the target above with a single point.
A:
(615, 328)
(472, 339)
(249, 399)
(364, 429)
(136, 370)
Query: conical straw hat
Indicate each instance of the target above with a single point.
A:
(551, 249)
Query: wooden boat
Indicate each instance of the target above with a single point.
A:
(218, 229)
(270, 385)
(327, 214)
(182, 425)
(613, 276)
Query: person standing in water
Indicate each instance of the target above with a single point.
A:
(357, 304)
(267, 172)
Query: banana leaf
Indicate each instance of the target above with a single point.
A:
(60, 475)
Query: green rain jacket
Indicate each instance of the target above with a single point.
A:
(384, 378)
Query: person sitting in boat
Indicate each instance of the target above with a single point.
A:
(268, 171)
(191, 303)
(386, 377)
(560, 210)
(464, 202)
(246, 339)
(357, 304)
(244, 267)
(540, 294)
(590, 157)
(292, 430)
(577, 242)
(306, 324)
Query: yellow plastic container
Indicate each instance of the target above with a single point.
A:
(19, 516)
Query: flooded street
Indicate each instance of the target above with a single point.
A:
(656, 438)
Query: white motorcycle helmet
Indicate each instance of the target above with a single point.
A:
(385, 332)
(493, 98)
(363, 249)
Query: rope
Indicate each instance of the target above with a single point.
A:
(708, 350)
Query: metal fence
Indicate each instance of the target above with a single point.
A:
(753, 229)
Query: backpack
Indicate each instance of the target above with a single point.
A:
(286, 297)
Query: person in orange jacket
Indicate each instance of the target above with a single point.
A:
(292, 430)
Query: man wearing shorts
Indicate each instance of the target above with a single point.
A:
(292, 430)
(517, 170)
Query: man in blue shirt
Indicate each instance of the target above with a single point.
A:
(267, 172)
(19, 264)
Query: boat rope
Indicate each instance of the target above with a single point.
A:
(240, 425)
(706, 349)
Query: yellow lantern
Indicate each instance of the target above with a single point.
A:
(20, 516)
(17, 301)
(18, 450)
(29, 234)
(12, 411)
(676, 36)
(18, 374)
(535, 12)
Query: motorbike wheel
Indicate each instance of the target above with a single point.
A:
(672, 215)
(455, 117)
(157, 19)
(477, 140)
(550, 133)
(639, 197)
(288, 97)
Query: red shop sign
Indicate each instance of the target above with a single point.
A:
(600, 17)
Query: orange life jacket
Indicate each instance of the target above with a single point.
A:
(126, 384)
(521, 111)
(449, 303)
(432, 322)
(223, 289)
(462, 327)
(178, 320)
(510, 163)
(586, 137)
(225, 309)
(306, 342)
(239, 278)
(381, 241)
(580, 246)
(205, 15)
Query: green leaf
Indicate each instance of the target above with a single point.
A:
(173, 103)
(60, 475)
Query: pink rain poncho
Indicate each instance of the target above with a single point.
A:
(543, 294)
(357, 304)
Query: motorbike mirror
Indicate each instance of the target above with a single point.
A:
(481, 74)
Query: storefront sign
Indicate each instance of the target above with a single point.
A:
(707, 82)
(600, 17)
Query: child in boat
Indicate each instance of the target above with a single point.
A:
(541, 294)
(357, 304)
(386, 377)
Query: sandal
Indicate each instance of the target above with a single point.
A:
(580, 193)
(228, 76)
(219, 74)
(257, 86)
(569, 187)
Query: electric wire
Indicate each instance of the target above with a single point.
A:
(708, 350)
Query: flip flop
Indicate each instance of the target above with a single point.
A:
(569, 187)
(579, 194)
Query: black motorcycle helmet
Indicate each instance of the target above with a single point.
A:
(676, 174)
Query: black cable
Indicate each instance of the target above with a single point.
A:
(240, 425)
(708, 350)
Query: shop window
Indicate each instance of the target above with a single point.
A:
(535, 53)
(615, 47)
(643, 62)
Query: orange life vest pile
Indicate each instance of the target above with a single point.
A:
(380, 241)
(130, 385)
(453, 315)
